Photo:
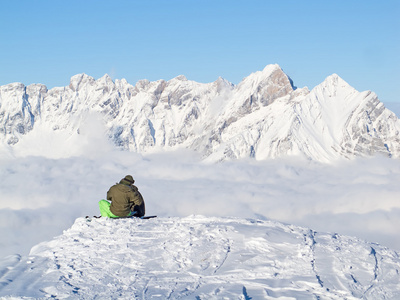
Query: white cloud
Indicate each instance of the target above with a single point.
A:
(41, 197)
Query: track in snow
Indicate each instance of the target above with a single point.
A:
(200, 258)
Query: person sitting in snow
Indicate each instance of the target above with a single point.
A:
(125, 198)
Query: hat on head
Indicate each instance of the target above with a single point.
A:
(128, 180)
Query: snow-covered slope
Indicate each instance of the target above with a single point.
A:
(200, 258)
(264, 116)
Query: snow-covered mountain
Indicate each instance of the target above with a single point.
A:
(200, 258)
(264, 116)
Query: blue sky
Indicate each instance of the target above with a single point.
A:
(50, 41)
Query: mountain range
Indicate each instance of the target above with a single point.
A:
(264, 116)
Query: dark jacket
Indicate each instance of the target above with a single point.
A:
(124, 199)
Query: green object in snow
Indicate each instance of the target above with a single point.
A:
(104, 207)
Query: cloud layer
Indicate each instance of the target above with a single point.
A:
(47, 182)
(41, 197)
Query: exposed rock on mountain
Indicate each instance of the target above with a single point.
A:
(264, 116)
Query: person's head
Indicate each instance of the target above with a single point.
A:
(127, 180)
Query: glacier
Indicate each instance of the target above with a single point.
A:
(200, 258)
(264, 116)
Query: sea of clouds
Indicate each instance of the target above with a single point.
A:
(47, 182)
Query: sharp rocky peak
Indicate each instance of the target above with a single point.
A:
(80, 79)
(336, 82)
(259, 76)
(105, 79)
(262, 117)
(180, 78)
(264, 87)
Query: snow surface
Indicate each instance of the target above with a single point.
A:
(200, 258)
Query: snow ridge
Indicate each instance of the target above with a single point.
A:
(201, 258)
(264, 116)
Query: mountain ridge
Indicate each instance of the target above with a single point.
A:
(264, 116)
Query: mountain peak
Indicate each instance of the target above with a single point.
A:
(335, 80)
(106, 79)
(264, 87)
(271, 68)
(332, 85)
(331, 121)
(265, 73)
(180, 78)
(78, 80)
